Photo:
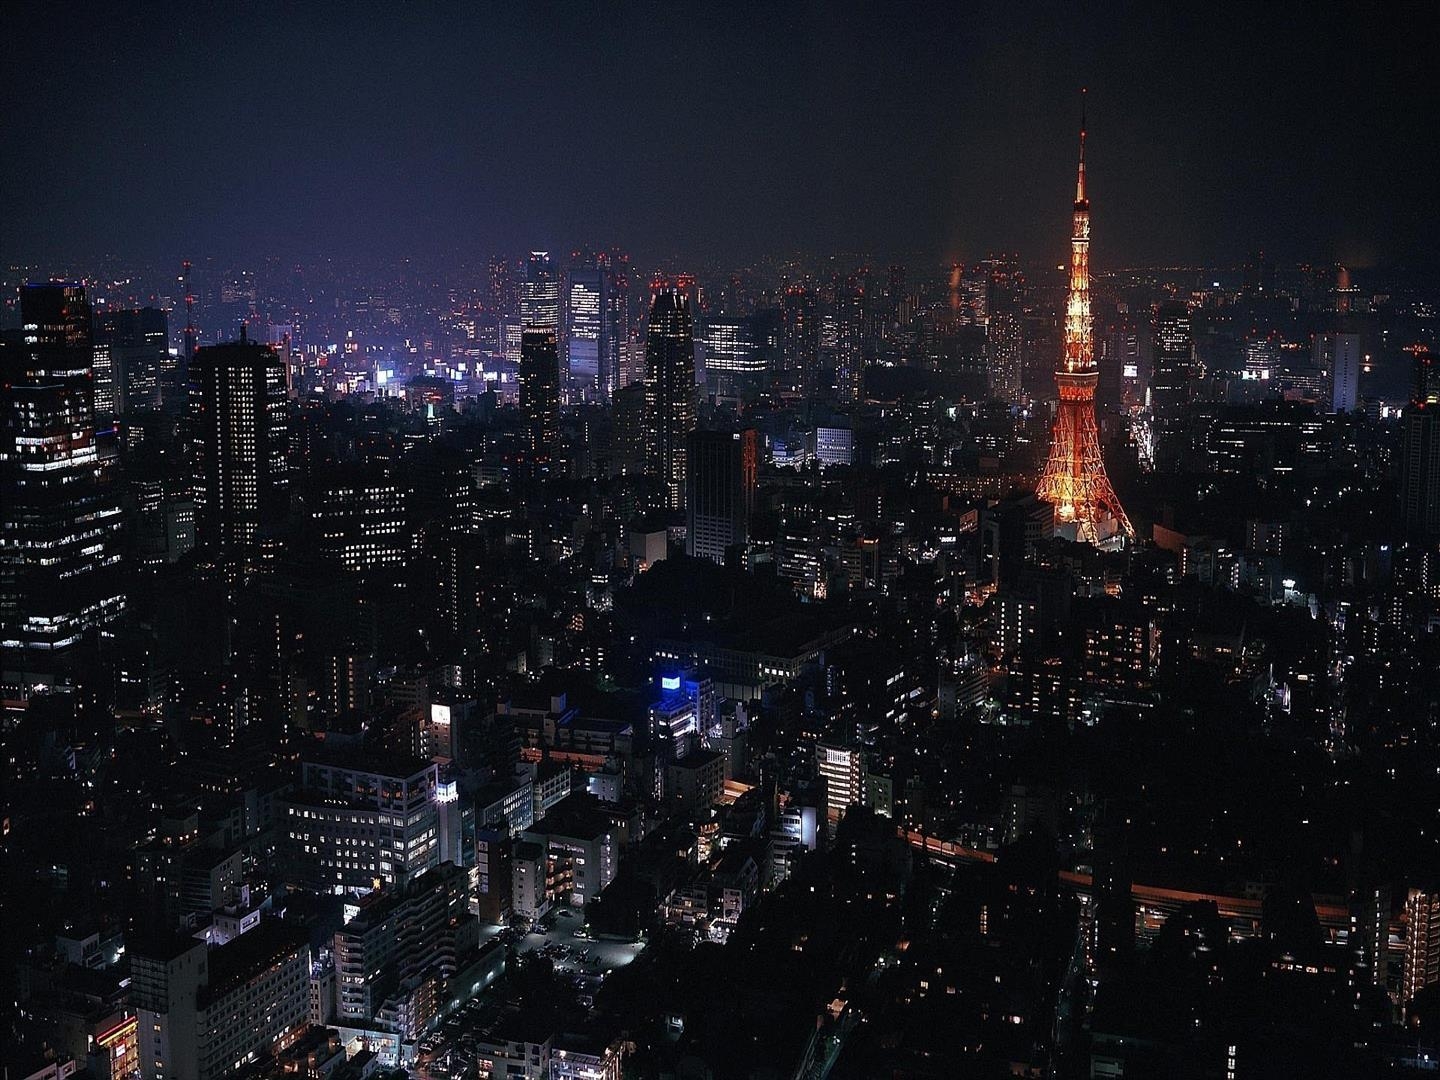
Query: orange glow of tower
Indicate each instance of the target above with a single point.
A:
(1074, 481)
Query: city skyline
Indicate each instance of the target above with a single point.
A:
(658, 543)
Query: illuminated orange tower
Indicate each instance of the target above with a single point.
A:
(1074, 482)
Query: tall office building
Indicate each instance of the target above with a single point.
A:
(730, 346)
(719, 491)
(540, 393)
(617, 319)
(669, 390)
(357, 519)
(596, 325)
(59, 517)
(135, 344)
(1420, 451)
(540, 294)
(1338, 355)
(1075, 481)
(1170, 385)
(239, 436)
(587, 333)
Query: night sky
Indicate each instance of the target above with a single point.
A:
(717, 132)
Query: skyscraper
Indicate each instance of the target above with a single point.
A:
(1074, 481)
(59, 518)
(669, 389)
(1420, 451)
(628, 456)
(1004, 339)
(587, 333)
(1338, 355)
(1170, 388)
(136, 343)
(849, 360)
(719, 491)
(800, 337)
(540, 392)
(730, 346)
(238, 431)
(617, 323)
(540, 294)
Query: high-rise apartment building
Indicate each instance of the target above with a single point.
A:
(59, 516)
(842, 770)
(1422, 943)
(393, 959)
(843, 346)
(1004, 342)
(800, 337)
(239, 438)
(669, 390)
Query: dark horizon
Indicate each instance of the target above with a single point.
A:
(444, 132)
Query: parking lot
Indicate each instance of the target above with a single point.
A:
(448, 1052)
(562, 943)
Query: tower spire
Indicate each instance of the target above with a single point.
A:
(1074, 481)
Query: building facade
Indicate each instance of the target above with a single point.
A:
(239, 440)
(59, 515)
(669, 390)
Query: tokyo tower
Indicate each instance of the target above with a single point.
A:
(1074, 481)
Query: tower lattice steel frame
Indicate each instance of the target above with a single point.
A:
(1074, 480)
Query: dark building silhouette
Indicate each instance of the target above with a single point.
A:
(540, 393)
(1170, 387)
(627, 434)
(669, 390)
(59, 517)
(239, 437)
(719, 491)
(1420, 451)
(800, 337)
(356, 517)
